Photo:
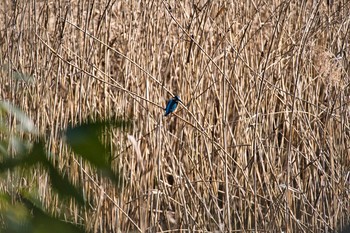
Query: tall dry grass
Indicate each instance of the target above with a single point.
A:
(261, 143)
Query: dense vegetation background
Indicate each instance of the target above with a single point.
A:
(260, 143)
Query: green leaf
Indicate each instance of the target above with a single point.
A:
(26, 124)
(15, 217)
(63, 186)
(36, 155)
(42, 222)
(84, 140)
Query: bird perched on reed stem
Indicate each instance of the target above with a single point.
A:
(171, 105)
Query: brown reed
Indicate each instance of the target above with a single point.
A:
(260, 143)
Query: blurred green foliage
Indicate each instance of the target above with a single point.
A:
(20, 210)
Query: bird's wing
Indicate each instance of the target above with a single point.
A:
(168, 105)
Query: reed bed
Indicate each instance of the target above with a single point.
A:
(260, 143)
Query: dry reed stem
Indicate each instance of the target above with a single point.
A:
(260, 143)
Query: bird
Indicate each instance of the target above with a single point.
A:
(171, 105)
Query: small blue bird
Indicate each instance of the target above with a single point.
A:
(171, 105)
